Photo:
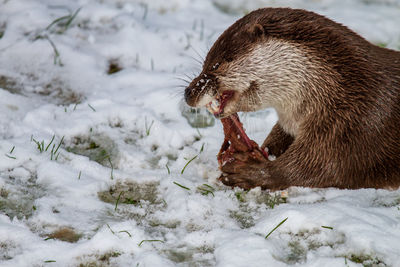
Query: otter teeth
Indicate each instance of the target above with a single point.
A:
(213, 106)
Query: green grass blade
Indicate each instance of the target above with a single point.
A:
(110, 229)
(52, 139)
(202, 148)
(91, 107)
(188, 163)
(150, 240)
(112, 168)
(184, 187)
(148, 127)
(56, 21)
(276, 227)
(116, 203)
(59, 144)
(71, 18)
(209, 186)
(124, 231)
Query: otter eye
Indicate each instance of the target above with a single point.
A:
(215, 66)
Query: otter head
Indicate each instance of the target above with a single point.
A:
(220, 84)
(247, 70)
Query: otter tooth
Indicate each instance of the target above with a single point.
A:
(213, 106)
(215, 103)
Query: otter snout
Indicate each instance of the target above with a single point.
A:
(190, 96)
(204, 91)
(201, 91)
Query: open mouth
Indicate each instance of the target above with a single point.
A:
(217, 106)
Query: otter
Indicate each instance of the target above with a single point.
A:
(337, 97)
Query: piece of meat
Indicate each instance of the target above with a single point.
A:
(237, 142)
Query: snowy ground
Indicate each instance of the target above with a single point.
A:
(105, 191)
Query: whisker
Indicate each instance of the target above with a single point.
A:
(176, 94)
(198, 54)
(190, 78)
(182, 79)
(196, 60)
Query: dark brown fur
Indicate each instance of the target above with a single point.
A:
(350, 131)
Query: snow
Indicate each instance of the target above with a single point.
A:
(118, 175)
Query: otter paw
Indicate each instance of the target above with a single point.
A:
(246, 177)
(236, 180)
(237, 161)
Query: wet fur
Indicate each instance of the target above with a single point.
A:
(337, 98)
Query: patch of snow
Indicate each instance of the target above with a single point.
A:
(123, 181)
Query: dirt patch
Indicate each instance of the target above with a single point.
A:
(55, 92)
(11, 85)
(18, 195)
(98, 148)
(131, 193)
(99, 260)
(65, 234)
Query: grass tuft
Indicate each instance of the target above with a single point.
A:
(58, 26)
(63, 23)
(240, 196)
(42, 148)
(148, 127)
(206, 189)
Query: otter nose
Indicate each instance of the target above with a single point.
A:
(189, 96)
(202, 85)
(191, 92)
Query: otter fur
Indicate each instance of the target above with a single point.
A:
(337, 97)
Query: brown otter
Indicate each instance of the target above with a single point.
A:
(337, 97)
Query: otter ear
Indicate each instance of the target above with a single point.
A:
(256, 30)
